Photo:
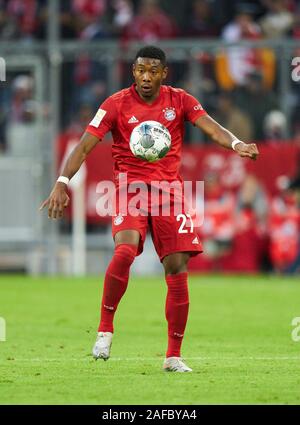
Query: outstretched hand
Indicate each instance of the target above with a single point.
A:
(57, 201)
(247, 150)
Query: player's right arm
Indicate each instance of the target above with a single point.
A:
(103, 122)
(59, 198)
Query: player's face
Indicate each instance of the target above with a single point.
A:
(148, 75)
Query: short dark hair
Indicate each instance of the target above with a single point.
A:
(152, 52)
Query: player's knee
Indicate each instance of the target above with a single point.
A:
(175, 264)
(125, 253)
(131, 237)
(175, 269)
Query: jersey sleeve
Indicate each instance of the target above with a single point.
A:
(192, 108)
(104, 120)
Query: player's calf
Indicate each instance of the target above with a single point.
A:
(115, 284)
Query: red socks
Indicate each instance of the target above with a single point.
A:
(115, 284)
(177, 307)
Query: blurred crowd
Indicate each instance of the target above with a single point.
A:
(151, 20)
(246, 228)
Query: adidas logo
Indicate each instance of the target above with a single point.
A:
(195, 241)
(132, 120)
(179, 335)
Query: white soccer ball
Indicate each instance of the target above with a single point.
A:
(150, 141)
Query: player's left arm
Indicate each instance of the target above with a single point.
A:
(224, 137)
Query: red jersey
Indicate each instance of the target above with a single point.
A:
(124, 110)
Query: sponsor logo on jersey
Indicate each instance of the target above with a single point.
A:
(133, 120)
(169, 113)
(195, 241)
(98, 118)
(118, 220)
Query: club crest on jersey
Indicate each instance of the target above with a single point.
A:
(118, 220)
(169, 113)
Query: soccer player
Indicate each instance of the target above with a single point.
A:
(146, 99)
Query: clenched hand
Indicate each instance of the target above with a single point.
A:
(247, 150)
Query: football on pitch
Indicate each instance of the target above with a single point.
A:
(150, 141)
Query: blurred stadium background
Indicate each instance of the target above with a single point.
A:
(64, 58)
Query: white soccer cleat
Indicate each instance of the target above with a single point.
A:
(101, 349)
(175, 364)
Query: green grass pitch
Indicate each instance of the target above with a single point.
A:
(238, 342)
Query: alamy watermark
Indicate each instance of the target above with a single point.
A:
(157, 198)
(2, 329)
(2, 69)
(296, 331)
(296, 70)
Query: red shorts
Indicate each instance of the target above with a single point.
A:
(170, 233)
